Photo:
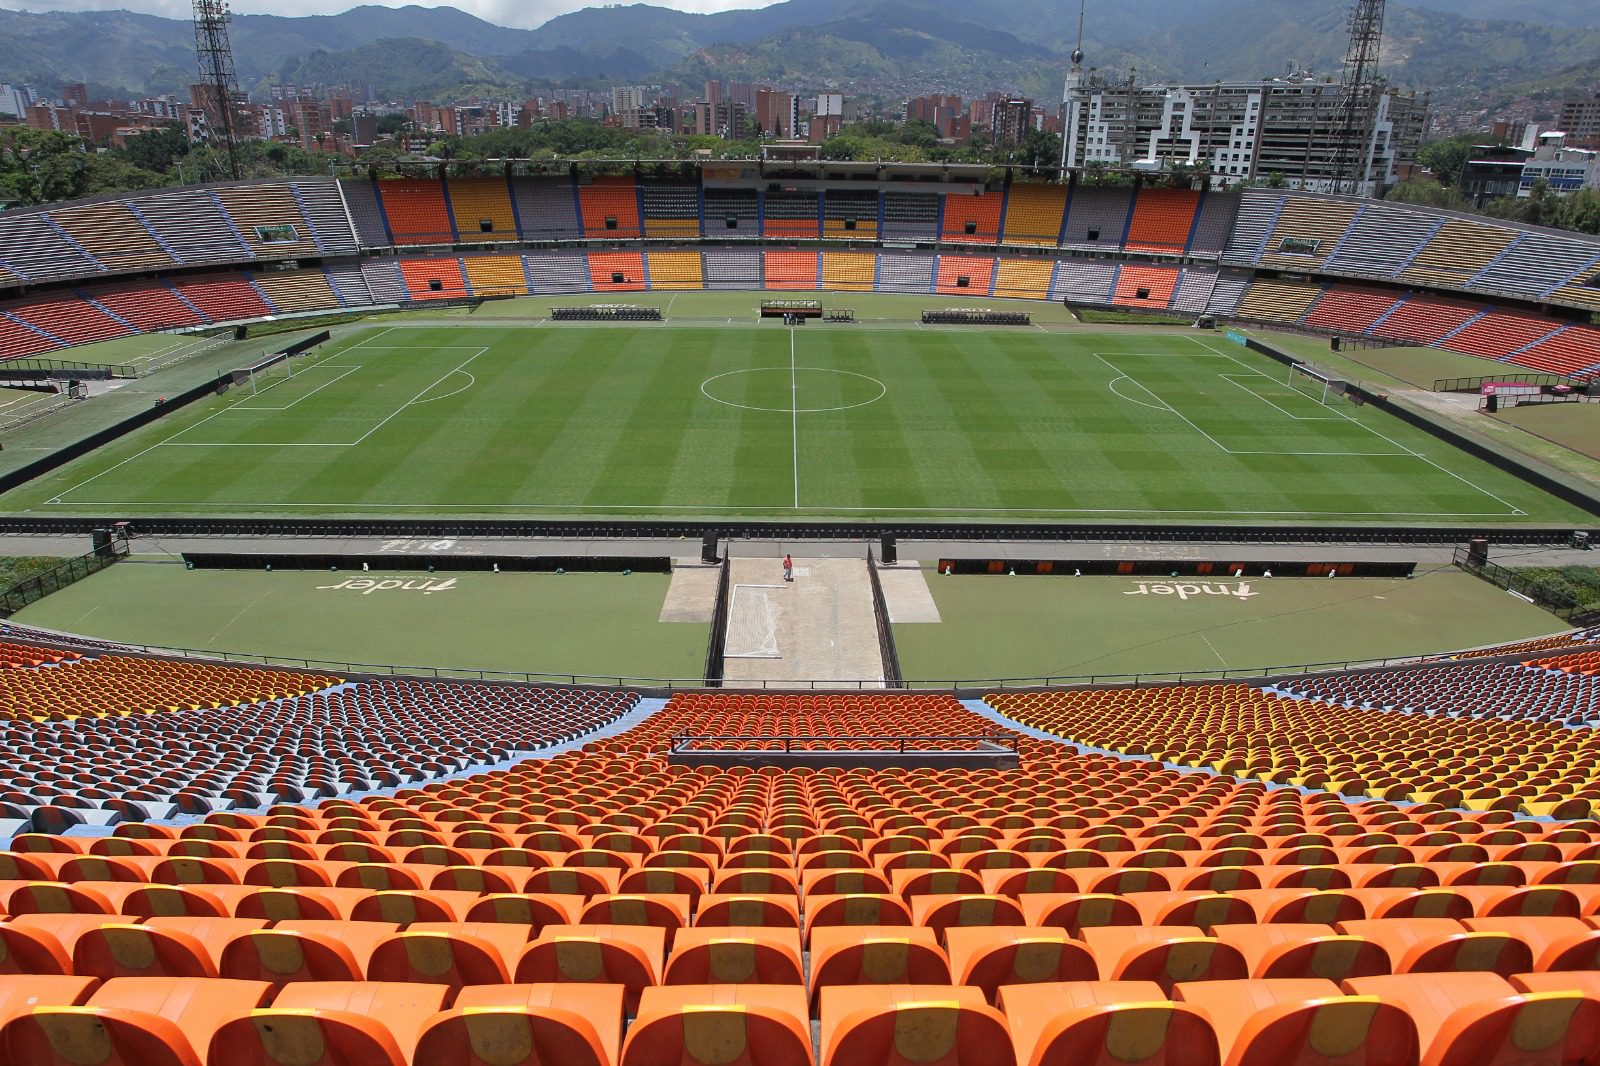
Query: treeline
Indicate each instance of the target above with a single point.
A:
(1447, 160)
(889, 142)
(45, 166)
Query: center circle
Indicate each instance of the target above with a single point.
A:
(804, 390)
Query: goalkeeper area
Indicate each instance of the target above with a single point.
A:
(516, 419)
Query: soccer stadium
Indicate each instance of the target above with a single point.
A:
(773, 614)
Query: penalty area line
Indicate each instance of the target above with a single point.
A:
(1513, 509)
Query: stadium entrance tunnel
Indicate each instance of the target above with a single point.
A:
(996, 751)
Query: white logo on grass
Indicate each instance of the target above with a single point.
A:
(1184, 589)
(367, 586)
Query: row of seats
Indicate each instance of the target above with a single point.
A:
(1481, 763)
(175, 228)
(1082, 281)
(410, 212)
(1538, 342)
(1542, 690)
(1460, 1020)
(116, 738)
(52, 321)
(1303, 233)
(1577, 638)
(1082, 907)
(487, 948)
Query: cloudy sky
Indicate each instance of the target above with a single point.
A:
(522, 13)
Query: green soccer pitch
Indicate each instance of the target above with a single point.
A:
(518, 419)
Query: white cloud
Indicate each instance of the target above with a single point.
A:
(520, 13)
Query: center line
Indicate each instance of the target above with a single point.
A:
(794, 413)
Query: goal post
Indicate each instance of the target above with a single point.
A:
(269, 373)
(1309, 381)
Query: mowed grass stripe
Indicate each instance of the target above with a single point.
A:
(613, 420)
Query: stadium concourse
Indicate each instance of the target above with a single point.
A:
(213, 864)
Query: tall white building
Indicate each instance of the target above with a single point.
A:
(1244, 131)
(625, 98)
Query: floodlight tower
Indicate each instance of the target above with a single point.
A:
(1357, 106)
(216, 71)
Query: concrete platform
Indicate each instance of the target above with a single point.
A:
(906, 593)
(818, 628)
(692, 593)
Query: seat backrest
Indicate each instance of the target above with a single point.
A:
(1562, 1027)
(1357, 1029)
(47, 1036)
(1128, 1032)
(715, 1035)
(304, 1037)
(936, 1032)
(517, 1036)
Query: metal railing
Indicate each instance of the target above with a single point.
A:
(717, 638)
(35, 588)
(880, 618)
(1513, 377)
(1542, 593)
(979, 742)
(67, 366)
(674, 684)
(1551, 397)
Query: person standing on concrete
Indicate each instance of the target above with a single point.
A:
(788, 568)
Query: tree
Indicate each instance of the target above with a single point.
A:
(1581, 211)
(112, 172)
(1039, 149)
(1447, 157)
(1425, 193)
(157, 149)
(41, 166)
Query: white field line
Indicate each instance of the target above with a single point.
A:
(568, 508)
(348, 370)
(1165, 406)
(794, 415)
(140, 454)
(1514, 510)
(1233, 379)
(419, 396)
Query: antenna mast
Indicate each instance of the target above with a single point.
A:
(216, 70)
(1074, 80)
(1357, 96)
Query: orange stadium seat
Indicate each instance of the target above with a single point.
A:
(972, 218)
(609, 208)
(1080, 907)
(1063, 1024)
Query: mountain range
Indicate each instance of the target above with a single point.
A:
(899, 46)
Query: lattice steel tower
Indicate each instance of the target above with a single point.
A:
(1358, 96)
(216, 71)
